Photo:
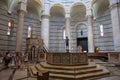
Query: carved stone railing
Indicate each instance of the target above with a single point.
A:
(67, 58)
(35, 48)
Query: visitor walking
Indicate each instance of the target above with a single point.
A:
(7, 59)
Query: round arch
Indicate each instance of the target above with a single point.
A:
(99, 7)
(36, 9)
(78, 11)
(81, 35)
(76, 38)
(77, 3)
(38, 1)
(92, 2)
(57, 10)
(11, 5)
(57, 4)
(80, 24)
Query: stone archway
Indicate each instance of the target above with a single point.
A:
(81, 35)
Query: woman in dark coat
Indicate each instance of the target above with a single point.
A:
(7, 59)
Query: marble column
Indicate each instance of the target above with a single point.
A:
(68, 31)
(90, 34)
(19, 32)
(115, 17)
(45, 30)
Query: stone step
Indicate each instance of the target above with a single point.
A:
(33, 70)
(31, 73)
(70, 71)
(78, 72)
(82, 76)
(38, 67)
(78, 67)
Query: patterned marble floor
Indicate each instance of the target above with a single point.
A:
(21, 74)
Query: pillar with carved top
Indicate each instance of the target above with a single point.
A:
(90, 32)
(115, 17)
(45, 30)
(22, 9)
(68, 31)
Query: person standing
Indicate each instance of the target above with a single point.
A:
(7, 59)
(79, 48)
(17, 60)
(13, 59)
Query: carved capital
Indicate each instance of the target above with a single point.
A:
(114, 5)
(22, 5)
(45, 16)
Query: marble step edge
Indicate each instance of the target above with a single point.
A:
(33, 70)
(31, 73)
(88, 75)
(105, 71)
(67, 67)
(70, 71)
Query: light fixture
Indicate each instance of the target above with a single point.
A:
(10, 23)
(9, 30)
(10, 26)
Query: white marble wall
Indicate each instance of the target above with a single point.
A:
(75, 32)
(110, 19)
(56, 41)
(9, 42)
(115, 16)
(105, 43)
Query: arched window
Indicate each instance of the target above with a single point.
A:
(101, 30)
(64, 33)
(10, 27)
(29, 31)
